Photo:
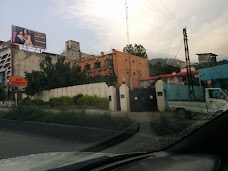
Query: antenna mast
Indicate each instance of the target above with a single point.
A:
(126, 10)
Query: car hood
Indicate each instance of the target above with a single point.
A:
(46, 161)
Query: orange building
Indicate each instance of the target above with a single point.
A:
(128, 68)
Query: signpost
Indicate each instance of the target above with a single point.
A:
(18, 81)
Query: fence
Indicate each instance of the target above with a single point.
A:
(96, 89)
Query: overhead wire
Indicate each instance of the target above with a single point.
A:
(165, 8)
(164, 13)
(179, 49)
(156, 10)
(164, 16)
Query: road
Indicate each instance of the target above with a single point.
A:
(145, 134)
(15, 144)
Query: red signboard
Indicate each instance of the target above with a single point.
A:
(18, 81)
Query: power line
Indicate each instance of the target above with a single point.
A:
(179, 49)
(167, 15)
(164, 6)
(171, 50)
(175, 27)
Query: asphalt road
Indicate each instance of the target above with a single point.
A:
(13, 144)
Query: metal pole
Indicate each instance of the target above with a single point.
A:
(126, 10)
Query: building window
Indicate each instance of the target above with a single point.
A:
(87, 67)
(133, 61)
(134, 73)
(108, 62)
(126, 60)
(139, 63)
(97, 65)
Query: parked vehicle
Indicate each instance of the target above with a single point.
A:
(215, 99)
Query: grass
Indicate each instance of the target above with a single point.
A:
(167, 125)
(104, 121)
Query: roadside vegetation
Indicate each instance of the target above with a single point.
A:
(78, 101)
(104, 121)
(172, 124)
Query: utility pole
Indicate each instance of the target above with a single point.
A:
(188, 66)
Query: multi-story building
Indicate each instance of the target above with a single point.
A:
(128, 69)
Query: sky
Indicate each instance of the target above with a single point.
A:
(100, 25)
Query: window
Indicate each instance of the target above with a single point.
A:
(133, 73)
(126, 60)
(108, 62)
(97, 65)
(133, 61)
(216, 94)
(87, 67)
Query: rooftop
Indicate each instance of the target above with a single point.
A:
(212, 54)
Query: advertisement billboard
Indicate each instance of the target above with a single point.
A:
(27, 37)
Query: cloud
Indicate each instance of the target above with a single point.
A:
(107, 21)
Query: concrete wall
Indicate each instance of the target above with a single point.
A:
(26, 61)
(96, 89)
(112, 98)
(159, 86)
(124, 98)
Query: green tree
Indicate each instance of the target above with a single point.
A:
(2, 94)
(137, 50)
(60, 74)
(159, 69)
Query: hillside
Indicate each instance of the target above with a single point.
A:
(173, 62)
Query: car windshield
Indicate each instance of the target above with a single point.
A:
(108, 76)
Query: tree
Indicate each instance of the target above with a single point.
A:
(159, 69)
(2, 94)
(137, 50)
(60, 74)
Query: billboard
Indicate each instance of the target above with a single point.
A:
(27, 37)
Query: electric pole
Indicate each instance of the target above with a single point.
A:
(188, 67)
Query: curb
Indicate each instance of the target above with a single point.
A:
(128, 133)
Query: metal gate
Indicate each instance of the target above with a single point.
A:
(143, 100)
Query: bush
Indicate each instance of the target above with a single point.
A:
(99, 102)
(167, 125)
(76, 99)
(60, 101)
(104, 121)
(30, 102)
